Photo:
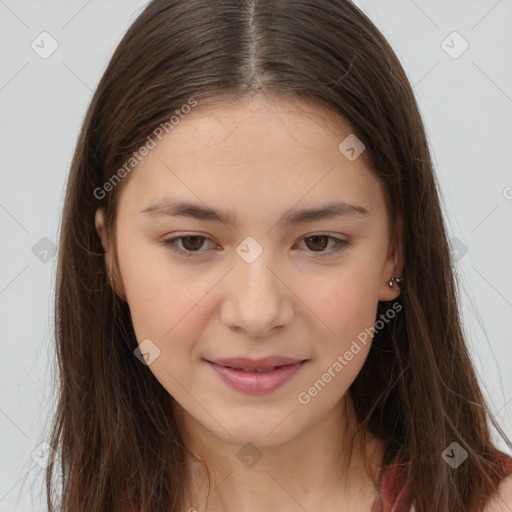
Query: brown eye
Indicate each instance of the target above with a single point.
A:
(317, 242)
(187, 245)
(192, 243)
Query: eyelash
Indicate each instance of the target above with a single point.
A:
(170, 243)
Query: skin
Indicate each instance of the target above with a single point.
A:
(258, 159)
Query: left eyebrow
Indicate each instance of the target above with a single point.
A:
(332, 210)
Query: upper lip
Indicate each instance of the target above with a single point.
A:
(256, 364)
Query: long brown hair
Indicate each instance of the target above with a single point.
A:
(417, 390)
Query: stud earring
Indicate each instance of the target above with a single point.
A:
(397, 279)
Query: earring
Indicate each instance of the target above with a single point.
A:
(397, 279)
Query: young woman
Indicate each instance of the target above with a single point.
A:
(256, 304)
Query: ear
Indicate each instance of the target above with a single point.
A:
(393, 266)
(114, 277)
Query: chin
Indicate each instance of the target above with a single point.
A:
(268, 431)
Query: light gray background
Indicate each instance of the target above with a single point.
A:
(466, 103)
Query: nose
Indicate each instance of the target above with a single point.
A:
(257, 298)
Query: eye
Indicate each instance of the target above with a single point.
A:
(319, 241)
(191, 243)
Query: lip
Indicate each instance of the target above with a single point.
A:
(232, 372)
(251, 364)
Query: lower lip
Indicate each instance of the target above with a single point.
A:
(256, 382)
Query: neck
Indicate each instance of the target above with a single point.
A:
(320, 469)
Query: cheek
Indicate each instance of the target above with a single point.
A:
(162, 297)
(344, 303)
(349, 311)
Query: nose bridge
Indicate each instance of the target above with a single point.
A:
(258, 300)
(253, 266)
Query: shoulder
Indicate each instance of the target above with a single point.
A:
(502, 501)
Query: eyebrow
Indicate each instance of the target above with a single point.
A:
(332, 210)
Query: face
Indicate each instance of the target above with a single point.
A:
(245, 278)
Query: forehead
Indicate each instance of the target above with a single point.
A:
(273, 121)
(255, 152)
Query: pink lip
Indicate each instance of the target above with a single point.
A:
(254, 382)
(251, 364)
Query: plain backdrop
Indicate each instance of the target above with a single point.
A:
(463, 83)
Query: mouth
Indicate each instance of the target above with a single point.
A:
(260, 365)
(255, 370)
(256, 376)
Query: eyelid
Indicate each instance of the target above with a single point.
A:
(170, 243)
(340, 244)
